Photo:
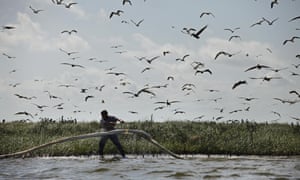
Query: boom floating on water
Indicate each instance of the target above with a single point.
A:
(91, 135)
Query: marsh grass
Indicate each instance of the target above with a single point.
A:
(181, 137)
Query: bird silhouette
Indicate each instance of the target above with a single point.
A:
(258, 66)
(203, 71)
(291, 40)
(207, 14)
(146, 69)
(270, 22)
(295, 18)
(88, 97)
(68, 53)
(126, 1)
(116, 73)
(258, 23)
(25, 97)
(170, 78)
(24, 113)
(52, 96)
(248, 98)
(273, 3)
(40, 107)
(137, 24)
(69, 5)
(58, 2)
(115, 13)
(287, 101)
(66, 85)
(235, 85)
(73, 65)
(232, 30)
(35, 11)
(69, 32)
(188, 30)
(234, 36)
(266, 78)
(151, 59)
(143, 90)
(8, 56)
(183, 58)
(166, 52)
(295, 118)
(222, 53)
(167, 102)
(8, 27)
(197, 34)
(295, 92)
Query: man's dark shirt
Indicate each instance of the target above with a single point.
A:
(109, 123)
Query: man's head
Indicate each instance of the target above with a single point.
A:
(104, 114)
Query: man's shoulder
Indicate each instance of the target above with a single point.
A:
(112, 118)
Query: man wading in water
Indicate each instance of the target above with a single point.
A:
(108, 123)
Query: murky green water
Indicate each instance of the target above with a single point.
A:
(161, 167)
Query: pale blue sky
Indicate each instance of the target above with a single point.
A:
(37, 39)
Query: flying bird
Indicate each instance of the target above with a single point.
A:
(88, 97)
(188, 30)
(69, 32)
(295, 92)
(126, 1)
(197, 34)
(183, 58)
(290, 40)
(40, 107)
(73, 65)
(258, 23)
(116, 73)
(223, 53)
(170, 78)
(295, 18)
(203, 71)
(206, 13)
(270, 22)
(248, 98)
(117, 13)
(151, 59)
(167, 102)
(58, 2)
(232, 30)
(66, 85)
(144, 90)
(258, 66)
(25, 97)
(266, 78)
(70, 4)
(145, 69)
(24, 113)
(8, 56)
(35, 11)
(239, 83)
(166, 52)
(287, 101)
(68, 53)
(137, 24)
(234, 36)
(273, 3)
(8, 27)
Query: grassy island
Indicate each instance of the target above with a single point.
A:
(181, 137)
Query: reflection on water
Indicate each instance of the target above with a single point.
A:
(162, 167)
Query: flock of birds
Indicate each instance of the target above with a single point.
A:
(197, 67)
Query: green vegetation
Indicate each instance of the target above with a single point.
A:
(246, 138)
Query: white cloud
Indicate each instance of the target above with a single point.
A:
(31, 35)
